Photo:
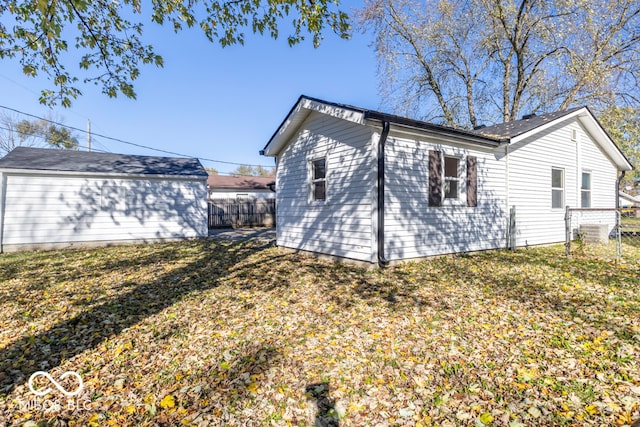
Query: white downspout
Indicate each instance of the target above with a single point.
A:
(3, 196)
(507, 207)
(578, 203)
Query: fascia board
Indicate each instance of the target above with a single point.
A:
(595, 129)
(438, 137)
(605, 142)
(298, 115)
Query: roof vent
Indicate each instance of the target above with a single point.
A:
(528, 116)
(479, 127)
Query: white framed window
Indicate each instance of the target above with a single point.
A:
(452, 180)
(557, 188)
(585, 190)
(319, 180)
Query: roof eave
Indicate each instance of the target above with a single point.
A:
(300, 111)
(460, 136)
(594, 127)
(24, 171)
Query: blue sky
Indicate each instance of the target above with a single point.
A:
(208, 101)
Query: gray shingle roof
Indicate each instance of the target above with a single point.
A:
(92, 162)
(518, 127)
(240, 182)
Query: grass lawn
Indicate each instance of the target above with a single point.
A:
(220, 333)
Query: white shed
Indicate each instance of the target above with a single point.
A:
(375, 187)
(241, 187)
(56, 198)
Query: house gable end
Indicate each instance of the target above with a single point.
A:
(593, 128)
(300, 112)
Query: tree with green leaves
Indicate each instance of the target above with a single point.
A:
(107, 36)
(623, 125)
(34, 133)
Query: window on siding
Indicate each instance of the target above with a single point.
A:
(319, 179)
(585, 190)
(451, 177)
(446, 179)
(557, 188)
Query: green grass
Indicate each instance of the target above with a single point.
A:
(220, 333)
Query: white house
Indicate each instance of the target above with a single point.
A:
(241, 187)
(55, 198)
(375, 187)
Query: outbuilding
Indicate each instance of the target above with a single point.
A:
(58, 198)
(241, 187)
(375, 187)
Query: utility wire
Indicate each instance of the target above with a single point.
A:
(98, 150)
(131, 143)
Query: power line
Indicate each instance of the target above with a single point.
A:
(98, 150)
(132, 143)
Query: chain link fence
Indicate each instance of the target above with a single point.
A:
(602, 233)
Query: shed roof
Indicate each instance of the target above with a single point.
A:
(220, 182)
(45, 159)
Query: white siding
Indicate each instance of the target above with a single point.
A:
(66, 209)
(413, 229)
(235, 194)
(342, 225)
(530, 164)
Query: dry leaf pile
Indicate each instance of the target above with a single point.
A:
(220, 333)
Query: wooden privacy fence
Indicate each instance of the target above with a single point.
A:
(242, 213)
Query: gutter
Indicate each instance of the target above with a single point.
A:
(99, 175)
(382, 262)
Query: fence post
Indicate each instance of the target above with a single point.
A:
(567, 231)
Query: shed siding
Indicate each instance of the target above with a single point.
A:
(342, 225)
(65, 209)
(530, 164)
(248, 194)
(415, 229)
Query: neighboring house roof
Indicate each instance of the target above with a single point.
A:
(492, 136)
(629, 197)
(29, 158)
(244, 183)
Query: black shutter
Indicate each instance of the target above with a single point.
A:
(435, 178)
(472, 181)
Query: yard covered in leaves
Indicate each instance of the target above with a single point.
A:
(222, 333)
